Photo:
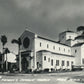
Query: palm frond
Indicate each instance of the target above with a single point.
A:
(3, 39)
(14, 41)
(80, 28)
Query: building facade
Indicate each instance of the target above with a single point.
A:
(39, 53)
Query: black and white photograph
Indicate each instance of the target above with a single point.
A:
(41, 41)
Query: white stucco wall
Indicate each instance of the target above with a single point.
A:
(76, 51)
(72, 35)
(63, 49)
(71, 42)
(10, 57)
(46, 64)
(80, 40)
(82, 54)
(67, 35)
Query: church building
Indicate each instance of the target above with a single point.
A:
(40, 53)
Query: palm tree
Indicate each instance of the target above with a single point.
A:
(4, 41)
(5, 52)
(80, 28)
(18, 42)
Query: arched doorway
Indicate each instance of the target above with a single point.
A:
(25, 64)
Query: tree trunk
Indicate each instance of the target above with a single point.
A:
(19, 53)
(3, 59)
(6, 63)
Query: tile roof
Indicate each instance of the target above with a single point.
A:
(78, 44)
(52, 40)
(56, 53)
(80, 37)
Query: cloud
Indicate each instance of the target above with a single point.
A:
(46, 17)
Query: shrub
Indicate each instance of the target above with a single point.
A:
(46, 70)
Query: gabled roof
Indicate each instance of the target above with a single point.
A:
(26, 30)
(78, 44)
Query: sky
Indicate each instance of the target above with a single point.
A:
(47, 18)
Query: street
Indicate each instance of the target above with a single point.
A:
(49, 78)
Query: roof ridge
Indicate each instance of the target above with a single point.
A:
(52, 41)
